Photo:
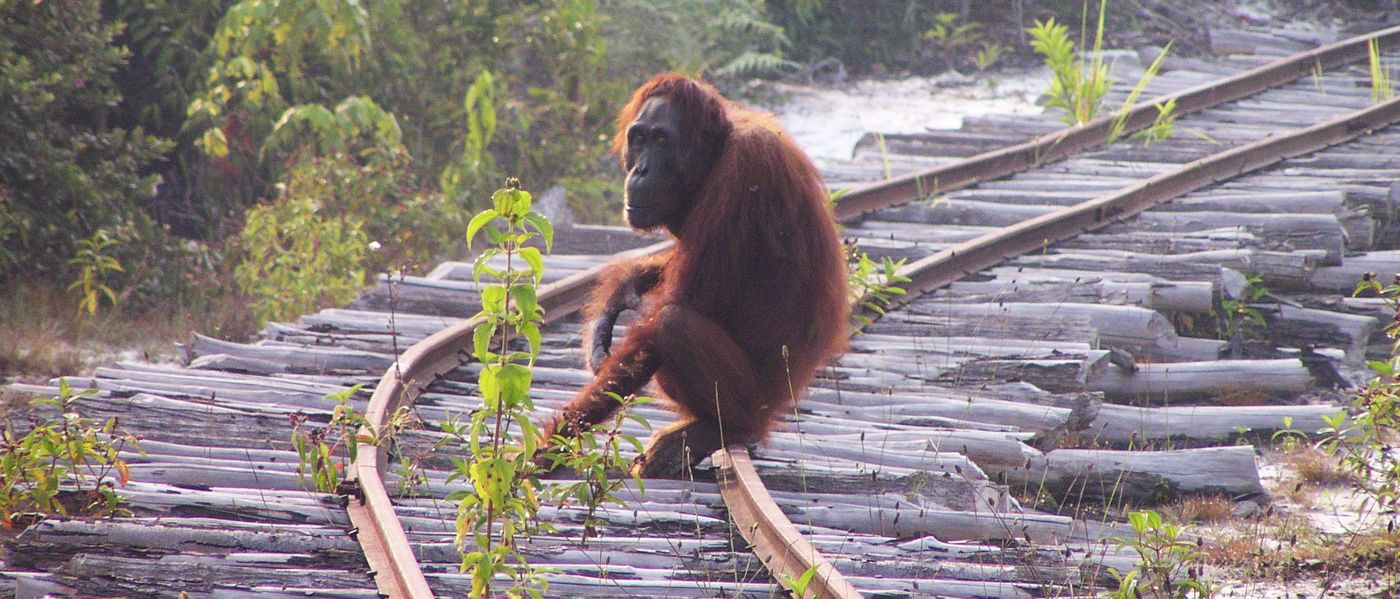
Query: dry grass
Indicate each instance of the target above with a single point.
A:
(1206, 508)
(1289, 548)
(45, 336)
(1316, 467)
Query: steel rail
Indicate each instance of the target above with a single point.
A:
(771, 536)
(1066, 142)
(786, 553)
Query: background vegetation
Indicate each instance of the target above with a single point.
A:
(215, 163)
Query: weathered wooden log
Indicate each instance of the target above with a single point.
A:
(460, 585)
(1031, 125)
(1024, 197)
(1121, 426)
(419, 295)
(1229, 282)
(962, 212)
(293, 359)
(109, 575)
(279, 506)
(936, 142)
(1290, 231)
(1157, 244)
(915, 232)
(1051, 365)
(1327, 202)
(35, 585)
(1122, 326)
(1171, 62)
(66, 537)
(1140, 477)
(558, 266)
(1298, 326)
(909, 408)
(1186, 381)
(222, 382)
(1042, 286)
(1065, 328)
(362, 321)
(1344, 278)
(946, 525)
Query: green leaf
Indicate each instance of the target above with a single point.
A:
(522, 202)
(493, 299)
(531, 331)
(525, 302)
(487, 383)
(514, 381)
(481, 339)
(504, 201)
(532, 257)
(542, 224)
(214, 142)
(478, 221)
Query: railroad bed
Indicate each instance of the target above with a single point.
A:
(1085, 372)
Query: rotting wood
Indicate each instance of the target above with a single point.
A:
(1140, 477)
(1184, 381)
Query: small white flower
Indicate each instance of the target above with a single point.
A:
(374, 246)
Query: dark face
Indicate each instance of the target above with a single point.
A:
(662, 174)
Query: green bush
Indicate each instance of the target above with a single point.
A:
(719, 39)
(64, 172)
(298, 257)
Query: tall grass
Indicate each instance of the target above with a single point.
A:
(1079, 82)
(1382, 84)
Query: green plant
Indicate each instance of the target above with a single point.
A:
(1169, 566)
(474, 163)
(1162, 125)
(1077, 84)
(1288, 437)
(504, 500)
(594, 460)
(93, 265)
(1364, 441)
(799, 586)
(267, 55)
(949, 36)
(1382, 83)
(721, 39)
(67, 450)
(1237, 317)
(316, 448)
(988, 55)
(297, 258)
(67, 171)
(873, 285)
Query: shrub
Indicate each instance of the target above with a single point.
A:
(65, 173)
(298, 257)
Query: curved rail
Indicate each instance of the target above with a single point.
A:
(773, 538)
(1065, 142)
(386, 548)
(787, 554)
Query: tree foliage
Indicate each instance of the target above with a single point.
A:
(65, 173)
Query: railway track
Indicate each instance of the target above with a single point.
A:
(1051, 348)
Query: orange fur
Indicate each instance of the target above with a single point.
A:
(752, 300)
